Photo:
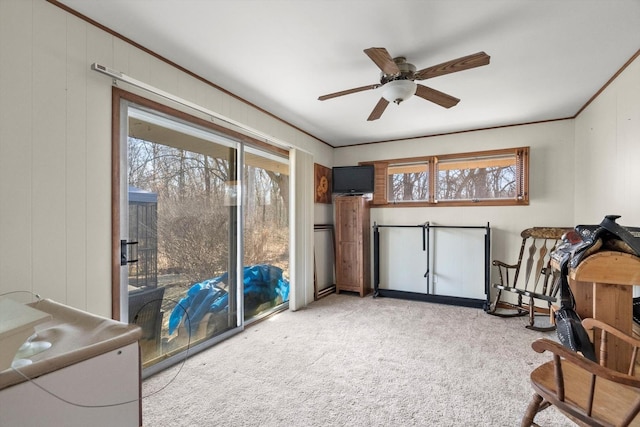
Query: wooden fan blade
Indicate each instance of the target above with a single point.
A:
(378, 109)
(347, 92)
(455, 65)
(383, 60)
(435, 96)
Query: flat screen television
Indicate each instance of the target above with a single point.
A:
(352, 179)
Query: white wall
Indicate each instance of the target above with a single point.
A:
(55, 149)
(607, 155)
(551, 182)
(580, 169)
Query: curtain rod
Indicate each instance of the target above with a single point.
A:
(117, 75)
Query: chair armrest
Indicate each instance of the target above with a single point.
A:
(498, 263)
(503, 271)
(544, 344)
(590, 323)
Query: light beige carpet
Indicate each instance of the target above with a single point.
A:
(350, 361)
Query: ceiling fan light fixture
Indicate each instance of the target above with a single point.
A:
(398, 90)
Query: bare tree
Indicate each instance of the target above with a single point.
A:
(193, 212)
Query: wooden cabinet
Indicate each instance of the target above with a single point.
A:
(353, 254)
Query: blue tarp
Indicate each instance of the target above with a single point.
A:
(262, 283)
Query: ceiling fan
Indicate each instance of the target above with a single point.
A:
(397, 79)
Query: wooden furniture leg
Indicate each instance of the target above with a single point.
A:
(532, 409)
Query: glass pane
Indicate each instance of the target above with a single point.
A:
(266, 233)
(408, 182)
(180, 216)
(476, 178)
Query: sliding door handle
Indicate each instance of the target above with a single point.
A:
(123, 252)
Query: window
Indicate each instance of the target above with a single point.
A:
(477, 178)
(408, 181)
(497, 177)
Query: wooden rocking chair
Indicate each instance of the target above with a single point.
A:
(530, 278)
(588, 393)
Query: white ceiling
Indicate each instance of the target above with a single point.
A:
(548, 57)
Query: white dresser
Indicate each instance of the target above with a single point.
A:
(93, 364)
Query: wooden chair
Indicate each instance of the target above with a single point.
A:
(531, 278)
(589, 393)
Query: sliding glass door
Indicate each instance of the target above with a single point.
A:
(266, 233)
(182, 233)
(203, 232)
